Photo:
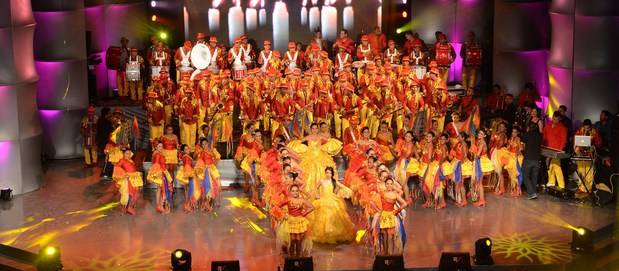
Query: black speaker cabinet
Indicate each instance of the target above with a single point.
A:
(455, 261)
(388, 263)
(299, 264)
(225, 266)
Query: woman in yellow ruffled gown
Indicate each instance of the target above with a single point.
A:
(330, 221)
(316, 153)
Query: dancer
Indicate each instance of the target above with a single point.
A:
(407, 164)
(292, 232)
(250, 165)
(392, 236)
(462, 168)
(186, 176)
(482, 166)
(128, 180)
(207, 173)
(158, 174)
(170, 148)
(316, 153)
(331, 223)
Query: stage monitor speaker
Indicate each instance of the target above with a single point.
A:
(299, 264)
(455, 261)
(225, 266)
(388, 263)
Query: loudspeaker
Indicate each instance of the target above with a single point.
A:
(388, 263)
(455, 261)
(225, 266)
(5, 194)
(299, 264)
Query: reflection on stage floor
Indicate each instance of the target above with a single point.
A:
(78, 213)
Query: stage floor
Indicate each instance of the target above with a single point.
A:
(77, 212)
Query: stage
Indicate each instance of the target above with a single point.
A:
(77, 212)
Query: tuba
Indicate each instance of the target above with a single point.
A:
(200, 58)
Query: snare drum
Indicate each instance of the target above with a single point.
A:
(155, 70)
(357, 64)
(133, 71)
(239, 74)
(419, 71)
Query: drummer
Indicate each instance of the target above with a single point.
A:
(235, 59)
(418, 60)
(341, 59)
(134, 64)
(182, 59)
(392, 55)
(159, 60)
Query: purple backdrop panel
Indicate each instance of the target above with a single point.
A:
(126, 20)
(16, 14)
(596, 43)
(10, 163)
(63, 85)
(32, 172)
(16, 63)
(455, 71)
(101, 74)
(17, 117)
(95, 23)
(520, 26)
(61, 138)
(514, 69)
(597, 8)
(562, 42)
(20, 161)
(563, 6)
(593, 92)
(560, 81)
(60, 35)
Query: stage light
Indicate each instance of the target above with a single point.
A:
(404, 14)
(180, 260)
(153, 4)
(163, 35)
(153, 18)
(483, 251)
(49, 259)
(398, 31)
(582, 239)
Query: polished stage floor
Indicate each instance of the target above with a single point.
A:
(77, 212)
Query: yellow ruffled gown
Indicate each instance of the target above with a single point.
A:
(315, 158)
(330, 221)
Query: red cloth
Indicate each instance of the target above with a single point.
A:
(555, 136)
(378, 42)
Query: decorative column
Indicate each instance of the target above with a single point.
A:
(583, 63)
(521, 45)
(20, 130)
(60, 60)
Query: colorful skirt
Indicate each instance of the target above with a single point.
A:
(387, 220)
(297, 224)
(183, 176)
(156, 175)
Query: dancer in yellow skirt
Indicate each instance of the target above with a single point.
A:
(159, 175)
(128, 180)
(186, 176)
(390, 225)
(292, 232)
(482, 166)
(330, 221)
(462, 168)
(207, 173)
(316, 153)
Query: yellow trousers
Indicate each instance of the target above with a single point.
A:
(90, 155)
(188, 134)
(555, 174)
(135, 88)
(585, 172)
(156, 131)
(340, 124)
(469, 76)
(167, 109)
(121, 84)
(399, 121)
(444, 73)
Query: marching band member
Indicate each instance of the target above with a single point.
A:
(133, 77)
(225, 103)
(377, 40)
(155, 113)
(121, 79)
(365, 53)
(341, 59)
(471, 59)
(182, 59)
(159, 60)
(235, 59)
(292, 60)
(264, 59)
(200, 38)
(248, 53)
(392, 55)
(344, 41)
(188, 117)
(418, 61)
(217, 58)
(444, 56)
(166, 91)
(88, 129)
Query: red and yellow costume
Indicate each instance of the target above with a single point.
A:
(155, 113)
(88, 129)
(188, 114)
(129, 181)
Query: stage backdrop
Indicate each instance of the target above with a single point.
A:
(255, 18)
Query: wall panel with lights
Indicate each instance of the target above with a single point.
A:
(20, 130)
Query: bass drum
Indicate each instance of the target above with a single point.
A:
(200, 58)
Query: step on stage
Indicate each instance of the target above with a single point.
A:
(77, 212)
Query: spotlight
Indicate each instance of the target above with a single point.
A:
(49, 259)
(398, 31)
(153, 18)
(163, 35)
(181, 260)
(483, 251)
(404, 14)
(153, 3)
(582, 239)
